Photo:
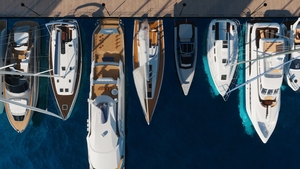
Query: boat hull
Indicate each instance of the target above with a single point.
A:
(186, 74)
(29, 96)
(222, 53)
(262, 115)
(65, 102)
(106, 127)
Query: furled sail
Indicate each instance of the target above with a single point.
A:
(144, 45)
(140, 84)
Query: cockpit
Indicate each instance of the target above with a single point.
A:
(16, 83)
(186, 55)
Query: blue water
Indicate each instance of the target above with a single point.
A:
(195, 131)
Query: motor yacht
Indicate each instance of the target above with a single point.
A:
(263, 96)
(185, 45)
(106, 102)
(22, 58)
(65, 63)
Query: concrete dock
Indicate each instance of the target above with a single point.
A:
(150, 8)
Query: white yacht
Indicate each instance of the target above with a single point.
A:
(22, 58)
(292, 69)
(3, 47)
(185, 45)
(106, 102)
(148, 63)
(222, 53)
(263, 93)
(65, 63)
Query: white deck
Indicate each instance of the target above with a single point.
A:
(65, 64)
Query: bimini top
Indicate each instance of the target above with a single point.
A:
(185, 32)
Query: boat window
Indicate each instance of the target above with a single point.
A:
(149, 94)
(19, 118)
(295, 64)
(223, 77)
(276, 91)
(263, 91)
(109, 31)
(225, 44)
(187, 47)
(63, 68)
(270, 91)
(224, 60)
(63, 48)
(61, 90)
(64, 107)
(66, 90)
(186, 61)
(104, 133)
(103, 112)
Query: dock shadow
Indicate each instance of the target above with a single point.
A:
(98, 12)
(277, 13)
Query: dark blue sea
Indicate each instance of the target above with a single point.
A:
(200, 130)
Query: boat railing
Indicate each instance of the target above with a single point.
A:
(233, 83)
(238, 24)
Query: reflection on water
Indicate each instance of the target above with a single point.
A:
(213, 90)
(241, 96)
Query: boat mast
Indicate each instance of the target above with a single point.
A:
(265, 57)
(254, 78)
(31, 108)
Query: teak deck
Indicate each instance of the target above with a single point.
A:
(107, 48)
(14, 56)
(67, 99)
(158, 24)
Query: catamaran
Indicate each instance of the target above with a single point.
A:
(263, 93)
(148, 63)
(185, 45)
(22, 57)
(292, 70)
(106, 114)
(222, 53)
(3, 46)
(65, 61)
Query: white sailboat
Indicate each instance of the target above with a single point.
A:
(263, 93)
(292, 70)
(65, 59)
(185, 45)
(222, 53)
(106, 114)
(3, 46)
(148, 63)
